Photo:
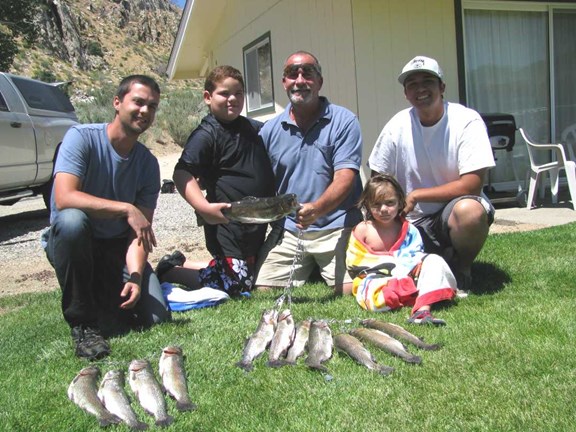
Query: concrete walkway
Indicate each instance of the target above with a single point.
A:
(513, 218)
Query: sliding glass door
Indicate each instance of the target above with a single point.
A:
(512, 49)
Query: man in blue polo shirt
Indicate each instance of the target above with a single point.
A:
(316, 149)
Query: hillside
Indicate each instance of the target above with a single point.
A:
(94, 43)
(90, 42)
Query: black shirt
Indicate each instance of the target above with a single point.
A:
(231, 163)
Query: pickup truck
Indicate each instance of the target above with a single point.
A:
(34, 116)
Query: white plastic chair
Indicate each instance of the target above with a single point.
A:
(552, 168)
(568, 139)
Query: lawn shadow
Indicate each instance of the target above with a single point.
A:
(488, 278)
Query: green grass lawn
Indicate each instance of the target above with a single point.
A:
(508, 362)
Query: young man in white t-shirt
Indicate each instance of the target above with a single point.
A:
(440, 153)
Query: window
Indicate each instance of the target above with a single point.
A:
(43, 96)
(258, 75)
(519, 60)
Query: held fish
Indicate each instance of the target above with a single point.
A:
(171, 369)
(385, 342)
(148, 391)
(399, 333)
(259, 341)
(319, 345)
(84, 393)
(354, 348)
(115, 399)
(261, 210)
(282, 339)
(300, 342)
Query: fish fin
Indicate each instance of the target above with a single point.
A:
(108, 420)
(185, 406)
(431, 347)
(385, 370)
(165, 421)
(414, 359)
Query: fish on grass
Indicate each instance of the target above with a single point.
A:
(84, 393)
(259, 340)
(386, 343)
(399, 333)
(282, 339)
(319, 345)
(300, 343)
(148, 391)
(253, 210)
(114, 397)
(173, 376)
(353, 347)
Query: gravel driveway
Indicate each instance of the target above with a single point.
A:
(25, 267)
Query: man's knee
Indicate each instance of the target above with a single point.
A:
(71, 224)
(468, 213)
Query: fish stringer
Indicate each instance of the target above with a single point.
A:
(287, 294)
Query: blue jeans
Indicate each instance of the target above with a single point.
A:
(92, 272)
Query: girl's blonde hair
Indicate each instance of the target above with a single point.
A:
(372, 188)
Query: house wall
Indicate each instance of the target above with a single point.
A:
(387, 34)
(321, 27)
(362, 46)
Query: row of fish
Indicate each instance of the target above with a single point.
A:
(110, 403)
(286, 342)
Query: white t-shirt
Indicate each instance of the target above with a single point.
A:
(423, 157)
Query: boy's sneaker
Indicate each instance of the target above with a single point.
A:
(89, 343)
(424, 317)
(167, 262)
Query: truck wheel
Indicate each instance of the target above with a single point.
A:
(47, 194)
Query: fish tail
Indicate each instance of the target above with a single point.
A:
(247, 366)
(138, 425)
(414, 359)
(109, 420)
(431, 347)
(385, 370)
(276, 363)
(317, 366)
(185, 406)
(166, 421)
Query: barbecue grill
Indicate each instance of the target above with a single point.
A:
(501, 131)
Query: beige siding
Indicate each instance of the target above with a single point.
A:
(319, 26)
(387, 34)
(362, 46)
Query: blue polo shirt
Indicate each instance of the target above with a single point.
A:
(304, 164)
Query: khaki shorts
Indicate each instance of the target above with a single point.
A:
(325, 249)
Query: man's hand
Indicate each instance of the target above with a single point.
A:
(306, 215)
(142, 228)
(410, 203)
(131, 291)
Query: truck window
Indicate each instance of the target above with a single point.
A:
(43, 96)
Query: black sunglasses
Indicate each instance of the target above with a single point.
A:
(308, 71)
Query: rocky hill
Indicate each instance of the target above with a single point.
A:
(93, 41)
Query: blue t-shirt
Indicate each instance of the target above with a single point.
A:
(87, 153)
(305, 164)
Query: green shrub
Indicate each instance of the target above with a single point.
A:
(94, 48)
(180, 112)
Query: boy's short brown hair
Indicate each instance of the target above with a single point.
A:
(220, 73)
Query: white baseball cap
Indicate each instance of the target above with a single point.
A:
(420, 64)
